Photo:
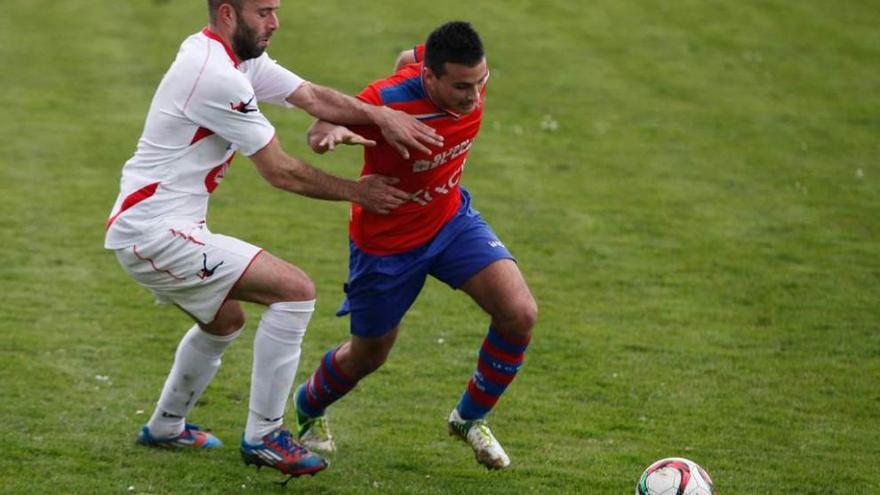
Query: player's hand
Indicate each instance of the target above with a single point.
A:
(343, 135)
(378, 195)
(404, 132)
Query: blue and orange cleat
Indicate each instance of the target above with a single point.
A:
(191, 438)
(278, 450)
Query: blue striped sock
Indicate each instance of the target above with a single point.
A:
(326, 385)
(500, 359)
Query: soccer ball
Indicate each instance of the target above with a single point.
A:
(674, 476)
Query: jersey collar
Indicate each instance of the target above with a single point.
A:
(214, 36)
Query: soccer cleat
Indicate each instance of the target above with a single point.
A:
(278, 450)
(314, 433)
(476, 432)
(191, 438)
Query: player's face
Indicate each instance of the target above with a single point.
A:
(459, 88)
(255, 24)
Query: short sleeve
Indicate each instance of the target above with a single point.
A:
(228, 106)
(272, 82)
(370, 95)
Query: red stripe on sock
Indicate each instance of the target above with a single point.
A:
(334, 364)
(500, 355)
(493, 376)
(313, 393)
(333, 384)
(480, 397)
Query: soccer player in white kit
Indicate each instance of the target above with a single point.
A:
(205, 111)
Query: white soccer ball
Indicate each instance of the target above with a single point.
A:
(674, 476)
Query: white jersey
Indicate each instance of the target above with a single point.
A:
(203, 111)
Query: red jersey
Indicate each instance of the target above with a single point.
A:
(432, 179)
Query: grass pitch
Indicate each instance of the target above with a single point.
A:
(691, 189)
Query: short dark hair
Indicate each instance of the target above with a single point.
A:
(455, 42)
(213, 5)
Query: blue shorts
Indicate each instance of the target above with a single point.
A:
(380, 289)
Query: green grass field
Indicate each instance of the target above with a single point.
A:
(701, 231)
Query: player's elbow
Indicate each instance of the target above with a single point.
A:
(291, 175)
(276, 174)
(276, 177)
(405, 58)
(277, 167)
(287, 182)
(306, 98)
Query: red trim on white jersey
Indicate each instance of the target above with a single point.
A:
(214, 36)
(133, 199)
(212, 180)
(201, 133)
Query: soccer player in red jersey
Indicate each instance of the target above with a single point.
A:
(436, 233)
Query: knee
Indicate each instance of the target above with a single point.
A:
(365, 361)
(298, 287)
(227, 325)
(236, 323)
(519, 320)
(307, 289)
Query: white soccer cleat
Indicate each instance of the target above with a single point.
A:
(315, 435)
(477, 433)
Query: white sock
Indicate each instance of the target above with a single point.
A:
(276, 358)
(195, 364)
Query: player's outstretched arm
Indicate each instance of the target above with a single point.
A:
(374, 192)
(324, 136)
(401, 130)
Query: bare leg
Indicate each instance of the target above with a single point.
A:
(360, 356)
(501, 291)
(341, 369)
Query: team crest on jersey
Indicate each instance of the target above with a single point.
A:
(443, 157)
(245, 107)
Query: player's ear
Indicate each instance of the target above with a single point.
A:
(428, 74)
(226, 13)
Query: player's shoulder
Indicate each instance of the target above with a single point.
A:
(201, 54)
(403, 86)
(205, 63)
(405, 73)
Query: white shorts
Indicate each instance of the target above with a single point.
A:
(195, 269)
